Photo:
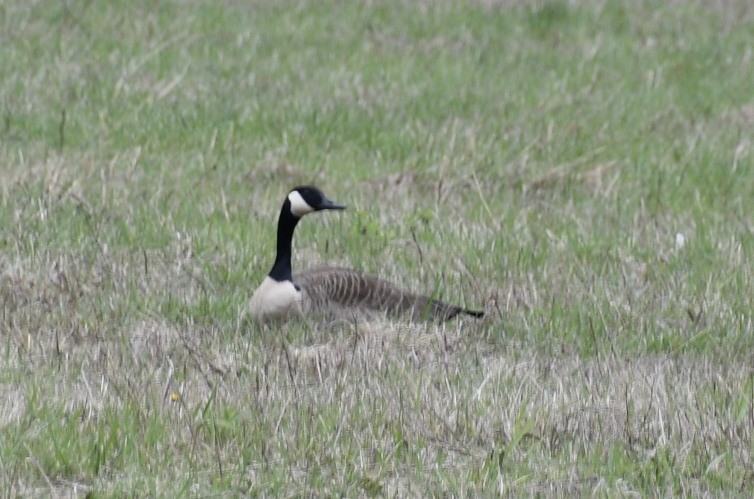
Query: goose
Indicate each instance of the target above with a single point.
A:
(284, 295)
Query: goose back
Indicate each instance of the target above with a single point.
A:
(333, 287)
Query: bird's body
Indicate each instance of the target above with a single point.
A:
(276, 300)
(283, 295)
(330, 288)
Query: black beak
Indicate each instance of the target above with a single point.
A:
(329, 204)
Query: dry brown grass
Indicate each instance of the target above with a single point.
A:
(451, 399)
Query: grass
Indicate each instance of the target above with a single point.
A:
(582, 169)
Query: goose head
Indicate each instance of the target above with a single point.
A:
(307, 199)
(299, 202)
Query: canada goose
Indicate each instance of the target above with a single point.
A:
(283, 294)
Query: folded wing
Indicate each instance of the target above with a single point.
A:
(332, 287)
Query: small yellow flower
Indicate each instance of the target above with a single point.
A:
(175, 396)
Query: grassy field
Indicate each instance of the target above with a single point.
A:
(581, 169)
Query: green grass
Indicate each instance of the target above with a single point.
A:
(538, 158)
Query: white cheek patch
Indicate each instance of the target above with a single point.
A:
(299, 206)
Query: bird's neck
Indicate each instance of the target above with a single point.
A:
(281, 270)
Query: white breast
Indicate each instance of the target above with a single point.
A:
(274, 299)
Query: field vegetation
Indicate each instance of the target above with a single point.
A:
(581, 169)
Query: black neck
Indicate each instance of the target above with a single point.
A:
(281, 270)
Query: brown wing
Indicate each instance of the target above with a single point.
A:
(347, 288)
